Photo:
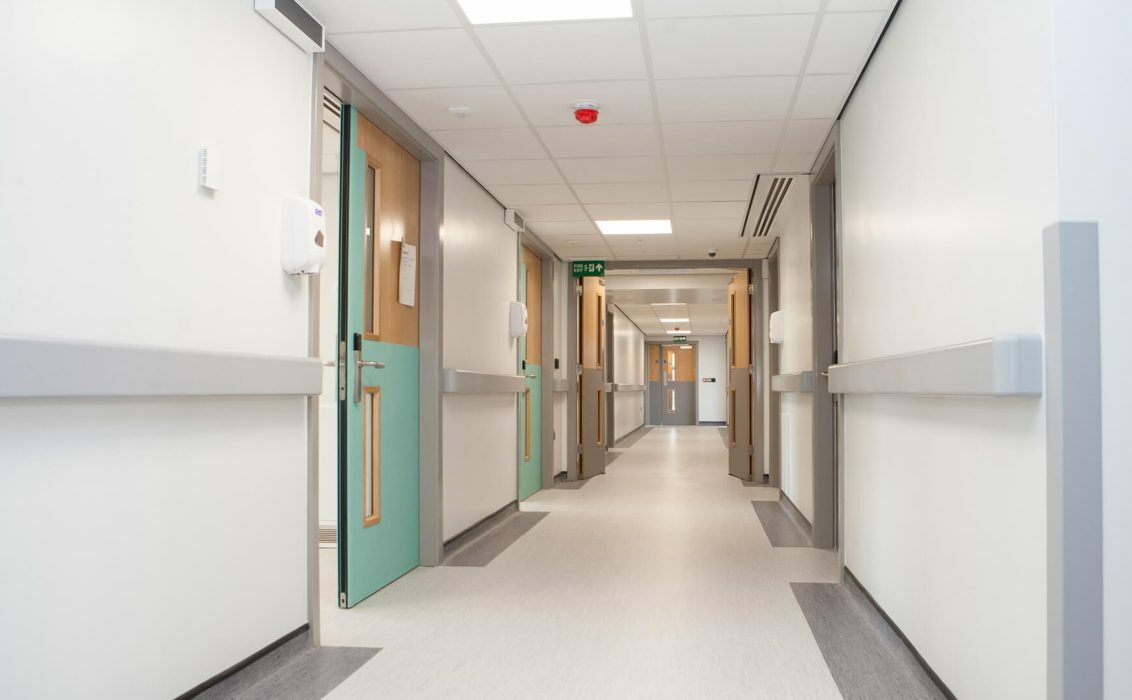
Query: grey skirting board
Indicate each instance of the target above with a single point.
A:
(59, 368)
(1006, 365)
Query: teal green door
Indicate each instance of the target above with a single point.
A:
(378, 475)
(530, 364)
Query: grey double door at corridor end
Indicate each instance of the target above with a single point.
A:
(672, 384)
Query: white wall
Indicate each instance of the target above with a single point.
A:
(795, 353)
(628, 368)
(1092, 56)
(480, 451)
(948, 177)
(149, 544)
(711, 361)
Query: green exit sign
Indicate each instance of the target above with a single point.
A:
(679, 338)
(588, 268)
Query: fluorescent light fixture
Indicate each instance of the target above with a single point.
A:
(667, 303)
(685, 347)
(677, 332)
(507, 11)
(635, 227)
(674, 320)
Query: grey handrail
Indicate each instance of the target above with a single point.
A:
(1005, 365)
(628, 387)
(462, 381)
(793, 383)
(61, 368)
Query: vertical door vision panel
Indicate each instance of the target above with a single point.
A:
(591, 403)
(530, 359)
(378, 528)
(739, 377)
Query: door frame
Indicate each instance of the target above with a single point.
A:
(332, 70)
(827, 244)
(758, 332)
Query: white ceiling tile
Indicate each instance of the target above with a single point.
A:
(560, 52)
(552, 212)
(491, 107)
(858, 5)
(708, 210)
(722, 46)
(606, 193)
(596, 141)
(642, 210)
(793, 162)
(571, 229)
(520, 195)
(619, 102)
(805, 135)
(581, 170)
(724, 99)
(381, 15)
(709, 8)
(715, 138)
(514, 172)
(685, 227)
(844, 42)
(759, 248)
(822, 96)
(489, 144)
(732, 167)
(416, 59)
(711, 191)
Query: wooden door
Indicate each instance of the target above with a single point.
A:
(656, 386)
(591, 399)
(379, 493)
(739, 379)
(530, 365)
(678, 380)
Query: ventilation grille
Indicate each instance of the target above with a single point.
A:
(328, 537)
(765, 202)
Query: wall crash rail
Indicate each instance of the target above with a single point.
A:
(1006, 365)
(793, 383)
(48, 368)
(462, 381)
(628, 387)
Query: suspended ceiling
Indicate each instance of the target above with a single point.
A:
(697, 98)
(654, 302)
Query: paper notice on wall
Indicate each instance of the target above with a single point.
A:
(407, 288)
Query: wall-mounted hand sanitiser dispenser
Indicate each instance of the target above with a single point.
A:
(518, 319)
(777, 329)
(304, 236)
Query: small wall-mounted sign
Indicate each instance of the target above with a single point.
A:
(679, 338)
(708, 380)
(587, 268)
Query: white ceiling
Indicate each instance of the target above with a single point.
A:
(648, 297)
(697, 98)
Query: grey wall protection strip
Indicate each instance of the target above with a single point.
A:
(628, 387)
(795, 383)
(43, 368)
(561, 386)
(1074, 473)
(1007, 365)
(460, 381)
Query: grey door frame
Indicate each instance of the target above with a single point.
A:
(826, 245)
(758, 330)
(774, 411)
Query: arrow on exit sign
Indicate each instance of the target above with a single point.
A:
(588, 268)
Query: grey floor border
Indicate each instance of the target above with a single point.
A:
(784, 526)
(560, 482)
(479, 548)
(633, 436)
(866, 654)
(293, 669)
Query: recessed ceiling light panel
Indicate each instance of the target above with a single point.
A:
(674, 320)
(635, 227)
(510, 11)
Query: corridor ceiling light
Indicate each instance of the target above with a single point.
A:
(508, 11)
(635, 227)
(675, 320)
(685, 347)
(677, 332)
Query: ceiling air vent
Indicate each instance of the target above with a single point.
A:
(765, 200)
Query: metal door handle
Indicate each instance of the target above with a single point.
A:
(359, 363)
(531, 376)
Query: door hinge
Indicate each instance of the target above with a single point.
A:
(341, 600)
(578, 290)
(342, 370)
(750, 289)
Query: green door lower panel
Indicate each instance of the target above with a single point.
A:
(530, 465)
